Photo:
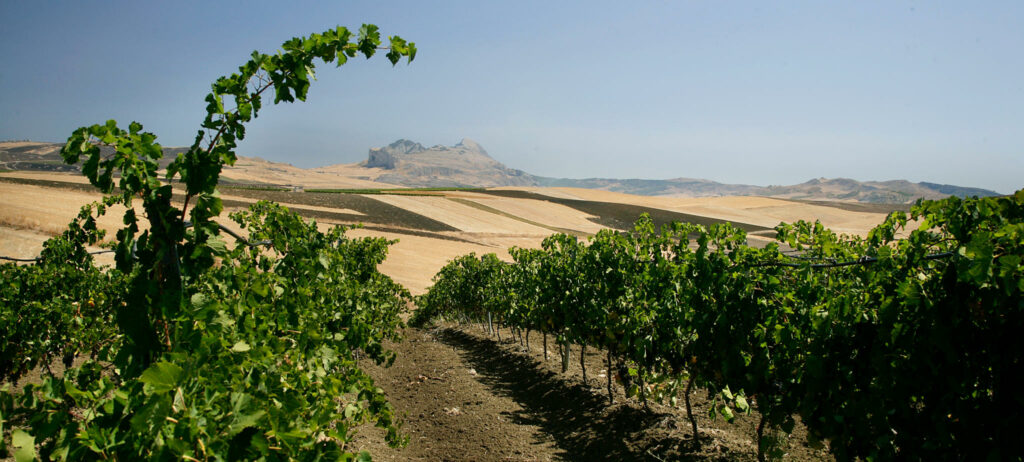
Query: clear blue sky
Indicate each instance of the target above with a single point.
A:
(739, 92)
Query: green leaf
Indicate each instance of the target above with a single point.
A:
(411, 52)
(243, 421)
(179, 400)
(741, 404)
(162, 376)
(26, 445)
(727, 413)
(369, 39)
(351, 409)
(241, 347)
(260, 288)
(217, 245)
(76, 394)
(201, 300)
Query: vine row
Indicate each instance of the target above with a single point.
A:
(914, 355)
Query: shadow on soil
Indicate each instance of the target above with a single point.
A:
(578, 419)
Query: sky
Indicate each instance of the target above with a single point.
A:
(751, 92)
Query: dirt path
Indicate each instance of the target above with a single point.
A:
(451, 412)
(466, 396)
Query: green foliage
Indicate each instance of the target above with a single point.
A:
(201, 350)
(902, 345)
(464, 287)
(60, 307)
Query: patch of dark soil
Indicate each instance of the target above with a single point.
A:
(50, 183)
(350, 218)
(621, 216)
(374, 211)
(866, 207)
(39, 166)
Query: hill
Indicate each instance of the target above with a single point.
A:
(406, 163)
(818, 189)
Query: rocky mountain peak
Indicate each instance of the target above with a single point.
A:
(464, 164)
(388, 156)
(405, 146)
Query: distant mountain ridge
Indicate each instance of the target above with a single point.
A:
(408, 163)
(467, 164)
(830, 189)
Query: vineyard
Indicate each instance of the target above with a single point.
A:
(884, 348)
(204, 344)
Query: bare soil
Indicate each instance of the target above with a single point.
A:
(466, 396)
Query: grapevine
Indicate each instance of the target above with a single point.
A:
(201, 350)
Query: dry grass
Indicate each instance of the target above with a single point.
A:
(48, 210)
(548, 214)
(255, 170)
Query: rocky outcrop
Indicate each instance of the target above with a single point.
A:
(388, 156)
(466, 164)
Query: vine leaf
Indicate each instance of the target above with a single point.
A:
(243, 421)
(26, 445)
(162, 376)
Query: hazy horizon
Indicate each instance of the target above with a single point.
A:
(744, 92)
